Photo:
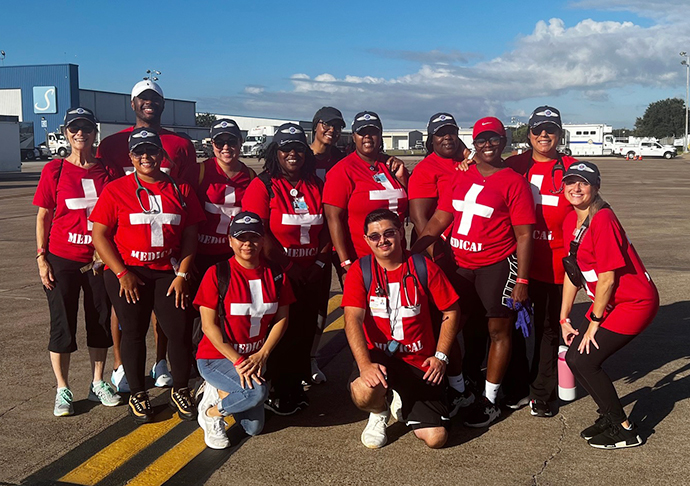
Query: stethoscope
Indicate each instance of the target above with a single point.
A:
(381, 290)
(152, 200)
(557, 166)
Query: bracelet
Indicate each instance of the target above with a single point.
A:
(345, 263)
(320, 263)
(442, 357)
(564, 321)
(122, 273)
(522, 281)
(239, 361)
(288, 266)
(40, 251)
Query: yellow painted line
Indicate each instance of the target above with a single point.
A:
(336, 325)
(102, 464)
(334, 302)
(175, 459)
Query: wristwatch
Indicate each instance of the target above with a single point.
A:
(593, 317)
(441, 356)
(184, 275)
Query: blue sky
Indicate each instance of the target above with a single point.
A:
(405, 60)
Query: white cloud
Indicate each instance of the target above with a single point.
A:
(255, 90)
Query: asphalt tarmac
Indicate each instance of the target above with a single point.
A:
(321, 445)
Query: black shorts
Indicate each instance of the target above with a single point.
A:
(490, 286)
(423, 405)
(63, 302)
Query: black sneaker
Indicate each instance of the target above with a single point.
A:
(301, 398)
(183, 403)
(539, 408)
(482, 413)
(285, 405)
(600, 425)
(516, 402)
(140, 408)
(616, 437)
(459, 400)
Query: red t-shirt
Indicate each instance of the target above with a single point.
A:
(295, 220)
(114, 150)
(323, 165)
(72, 193)
(484, 212)
(605, 247)
(352, 185)
(221, 198)
(149, 240)
(250, 305)
(548, 249)
(411, 326)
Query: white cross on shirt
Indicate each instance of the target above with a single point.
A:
(470, 208)
(535, 183)
(396, 311)
(227, 210)
(156, 220)
(305, 222)
(256, 309)
(390, 194)
(87, 202)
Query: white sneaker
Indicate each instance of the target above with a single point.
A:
(396, 407)
(104, 393)
(317, 376)
(161, 374)
(63, 403)
(215, 435)
(119, 379)
(374, 434)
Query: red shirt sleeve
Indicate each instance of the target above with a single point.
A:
(423, 183)
(46, 192)
(441, 291)
(195, 213)
(256, 199)
(608, 240)
(521, 203)
(207, 295)
(339, 187)
(354, 294)
(445, 200)
(105, 210)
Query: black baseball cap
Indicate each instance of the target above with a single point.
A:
(438, 121)
(225, 125)
(545, 114)
(328, 114)
(246, 222)
(290, 133)
(79, 113)
(584, 170)
(142, 135)
(366, 119)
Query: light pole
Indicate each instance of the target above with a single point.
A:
(686, 62)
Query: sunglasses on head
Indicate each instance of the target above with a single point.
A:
(480, 142)
(222, 142)
(297, 147)
(389, 234)
(86, 128)
(549, 128)
(150, 150)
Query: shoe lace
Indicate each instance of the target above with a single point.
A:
(141, 402)
(219, 426)
(103, 390)
(64, 396)
(183, 398)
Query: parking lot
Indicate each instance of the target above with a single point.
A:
(101, 446)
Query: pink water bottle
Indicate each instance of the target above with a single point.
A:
(567, 390)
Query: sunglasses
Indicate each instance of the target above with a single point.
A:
(85, 129)
(220, 143)
(550, 128)
(297, 147)
(480, 142)
(388, 234)
(327, 126)
(151, 151)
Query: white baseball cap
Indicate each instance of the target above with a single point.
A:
(145, 85)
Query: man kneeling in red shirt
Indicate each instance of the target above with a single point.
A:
(389, 329)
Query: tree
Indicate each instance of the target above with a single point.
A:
(205, 119)
(520, 134)
(661, 119)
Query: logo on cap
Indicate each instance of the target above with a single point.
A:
(80, 111)
(224, 124)
(247, 220)
(584, 168)
(144, 134)
(547, 113)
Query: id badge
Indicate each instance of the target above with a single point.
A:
(300, 206)
(378, 303)
(380, 178)
(392, 347)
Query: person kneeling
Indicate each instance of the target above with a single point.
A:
(231, 357)
(388, 327)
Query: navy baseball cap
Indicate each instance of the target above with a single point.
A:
(79, 113)
(366, 119)
(142, 135)
(290, 133)
(246, 222)
(440, 120)
(225, 125)
(545, 114)
(328, 114)
(584, 170)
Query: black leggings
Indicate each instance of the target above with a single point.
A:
(134, 322)
(588, 371)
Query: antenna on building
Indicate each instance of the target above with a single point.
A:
(152, 74)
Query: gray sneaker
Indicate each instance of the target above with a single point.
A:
(104, 393)
(63, 403)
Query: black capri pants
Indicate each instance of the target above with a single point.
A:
(63, 302)
(134, 322)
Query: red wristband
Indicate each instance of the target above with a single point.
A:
(345, 263)
(564, 321)
(122, 273)
(522, 281)
(239, 361)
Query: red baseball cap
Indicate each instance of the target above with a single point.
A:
(488, 124)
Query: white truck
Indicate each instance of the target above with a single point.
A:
(58, 145)
(650, 148)
(588, 139)
(257, 140)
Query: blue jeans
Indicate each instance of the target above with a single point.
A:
(245, 404)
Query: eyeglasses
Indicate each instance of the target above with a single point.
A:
(480, 142)
(151, 151)
(297, 147)
(549, 128)
(389, 234)
(85, 129)
(220, 142)
(327, 126)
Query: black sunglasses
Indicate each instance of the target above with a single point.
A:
(389, 234)
(85, 129)
(549, 128)
(297, 147)
(151, 151)
(480, 142)
(220, 143)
